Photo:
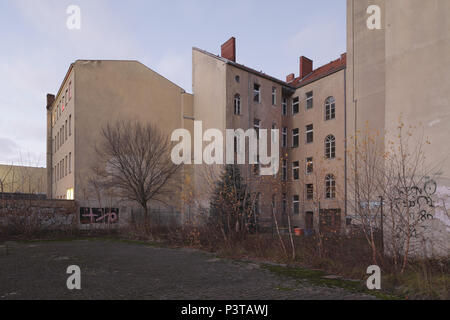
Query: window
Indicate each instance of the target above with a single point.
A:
(330, 187)
(330, 147)
(296, 204)
(237, 104)
(70, 125)
(296, 170)
(284, 171)
(309, 100)
(310, 191)
(284, 107)
(65, 166)
(63, 104)
(330, 109)
(295, 138)
(274, 203)
(284, 134)
(57, 141)
(238, 79)
(70, 162)
(257, 93)
(57, 172)
(284, 206)
(65, 133)
(69, 194)
(257, 126)
(70, 90)
(274, 96)
(310, 133)
(62, 135)
(309, 165)
(295, 105)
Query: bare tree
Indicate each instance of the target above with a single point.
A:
(134, 159)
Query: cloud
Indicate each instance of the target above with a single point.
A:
(321, 42)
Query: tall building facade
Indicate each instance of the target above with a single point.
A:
(308, 111)
(93, 94)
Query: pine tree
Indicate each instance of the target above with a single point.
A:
(231, 206)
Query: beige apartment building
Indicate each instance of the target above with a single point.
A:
(309, 111)
(93, 94)
(22, 179)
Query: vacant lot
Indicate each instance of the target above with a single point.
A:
(120, 270)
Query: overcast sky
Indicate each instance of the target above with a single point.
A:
(37, 47)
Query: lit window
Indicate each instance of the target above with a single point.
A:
(310, 134)
(330, 147)
(69, 194)
(309, 100)
(296, 105)
(330, 108)
(257, 93)
(237, 104)
(330, 187)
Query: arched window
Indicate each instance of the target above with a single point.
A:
(330, 187)
(237, 104)
(330, 108)
(330, 147)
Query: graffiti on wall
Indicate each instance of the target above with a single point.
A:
(99, 215)
(420, 201)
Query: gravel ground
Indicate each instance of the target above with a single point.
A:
(117, 270)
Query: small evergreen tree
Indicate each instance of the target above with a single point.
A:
(231, 206)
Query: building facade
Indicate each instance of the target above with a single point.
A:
(93, 94)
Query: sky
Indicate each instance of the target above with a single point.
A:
(37, 48)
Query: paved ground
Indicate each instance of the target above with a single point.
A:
(117, 270)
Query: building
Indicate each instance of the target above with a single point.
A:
(400, 69)
(92, 94)
(23, 180)
(309, 111)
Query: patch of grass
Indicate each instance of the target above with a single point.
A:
(317, 278)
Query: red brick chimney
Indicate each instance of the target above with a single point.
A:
(306, 66)
(50, 100)
(229, 49)
(290, 78)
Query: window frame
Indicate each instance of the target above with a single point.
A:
(309, 165)
(330, 108)
(237, 104)
(330, 187)
(309, 100)
(256, 93)
(295, 106)
(296, 170)
(308, 132)
(330, 147)
(296, 204)
(295, 138)
(274, 96)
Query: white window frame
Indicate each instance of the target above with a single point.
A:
(310, 100)
(295, 202)
(296, 167)
(237, 104)
(274, 96)
(294, 136)
(257, 92)
(330, 109)
(295, 103)
(308, 131)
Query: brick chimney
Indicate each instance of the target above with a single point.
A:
(306, 66)
(50, 100)
(290, 78)
(229, 49)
